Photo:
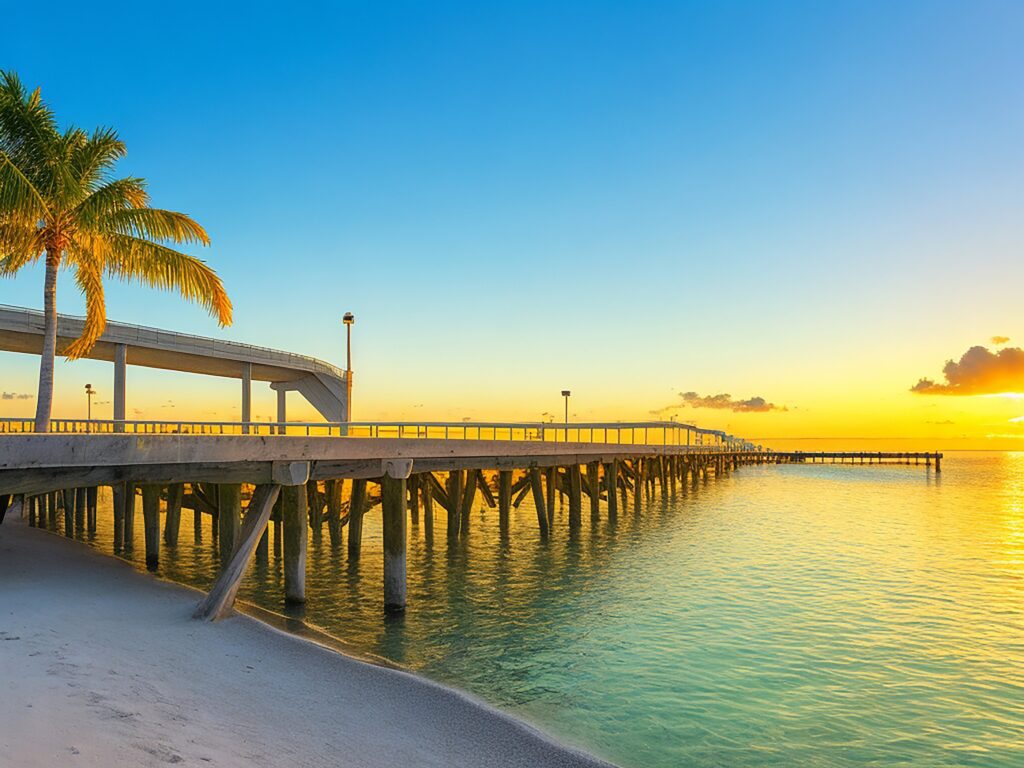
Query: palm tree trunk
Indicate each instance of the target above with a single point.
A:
(44, 402)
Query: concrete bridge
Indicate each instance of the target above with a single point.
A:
(323, 385)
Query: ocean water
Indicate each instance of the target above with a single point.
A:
(807, 615)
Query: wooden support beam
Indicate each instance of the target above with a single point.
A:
(222, 595)
(229, 518)
(485, 490)
(296, 519)
(356, 510)
(315, 502)
(538, 501)
(151, 524)
(172, 522)
(504, 499)
(393, 502)
(638, 485)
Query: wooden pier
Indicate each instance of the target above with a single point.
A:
(246, 482)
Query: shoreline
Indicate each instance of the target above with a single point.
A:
(104, 666)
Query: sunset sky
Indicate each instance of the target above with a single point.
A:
(814, 204)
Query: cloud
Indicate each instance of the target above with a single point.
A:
(978, 372)
(944, 422)
(16, 396)
(998, 340)
(722, 402)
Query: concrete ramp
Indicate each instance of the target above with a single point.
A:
(323, 385)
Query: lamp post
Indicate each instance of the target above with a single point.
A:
(349, 320)
(565, 394)
(89, 392)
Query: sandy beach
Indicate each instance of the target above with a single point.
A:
(103, 666)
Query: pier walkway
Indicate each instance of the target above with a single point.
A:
(299, 475)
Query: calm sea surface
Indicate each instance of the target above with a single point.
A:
(798, 615)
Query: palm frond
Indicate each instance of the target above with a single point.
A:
(97, 156)
(119, 195)
(18, 195)
(28, 130)
(156, 224)
(20, 244)
(89, 278)
(135, 259)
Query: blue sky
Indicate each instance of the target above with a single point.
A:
(628, 199)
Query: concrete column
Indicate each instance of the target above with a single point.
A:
(282, 409)
(246, 397)
(355, 519)
(393, 504)
(293, 510)
(90, 509)
(120, 380)
(229, 518)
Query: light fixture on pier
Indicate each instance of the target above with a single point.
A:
(349, 320)
(89, 392)
(565, 394)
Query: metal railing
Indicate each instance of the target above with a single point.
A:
(663, 433)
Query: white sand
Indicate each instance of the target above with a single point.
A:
(102, 666)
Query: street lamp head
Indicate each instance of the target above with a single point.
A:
(566, 393)
(348, 319)
(88, 388)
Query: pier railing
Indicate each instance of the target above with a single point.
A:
(610, 433)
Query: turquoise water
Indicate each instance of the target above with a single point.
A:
(780, 616)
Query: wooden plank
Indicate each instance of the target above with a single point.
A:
(222, 595)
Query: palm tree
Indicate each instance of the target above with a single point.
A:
(59, 201)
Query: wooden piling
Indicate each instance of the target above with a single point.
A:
(413, 491)
(466, 504)
(91, 495)
(504, 499)
(151, 524)
(68, 503)
(356, 507)
(454, 503)
(333, 489)
(296, 519)
(229, 518)
(80, 504)
(594, 490)
(638, 484)
(611, 477)
(575, 497)
(427, 488)
(551, 485)
(129, 516)
(393, 503)
(172, 521)
(538, 501)
(118, 492)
